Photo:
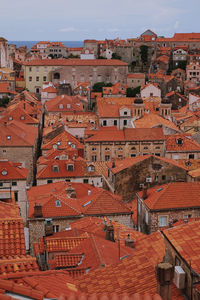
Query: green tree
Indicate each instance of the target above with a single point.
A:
(116, 56)
(98, 87)
(132, 92)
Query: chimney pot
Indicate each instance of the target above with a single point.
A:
(164, 275)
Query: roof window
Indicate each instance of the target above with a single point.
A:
(8, 137)
(58, 203)
(4, 172)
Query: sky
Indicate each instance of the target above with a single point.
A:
(76, 20)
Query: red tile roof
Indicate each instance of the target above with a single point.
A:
(5, 88)
(76, 62)
(186, 240)
(8, 211)
(64, 103)
(88, 200)
(187, 144)
(50, 89)
(18, 114)
(128, 134)
(14, 170)
(136, 75)
(17, 134)
(63, 141)
(132, 274)
(175, 195)
(80, 169)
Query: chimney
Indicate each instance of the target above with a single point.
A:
(129, 242)
(164, 276)
(5, 123)
(38, 211)
(144, 192)
(110, 232)
(70, 191)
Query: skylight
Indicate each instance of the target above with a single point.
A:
(160, 189)
(87, 203)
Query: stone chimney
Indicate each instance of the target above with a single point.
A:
(38, 211)
(164, 276)
(144, 192)
(129, 242)
(70, 191)
(110, 232)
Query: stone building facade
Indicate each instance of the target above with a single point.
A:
(111, 143)
(73, 71)
(126, 177)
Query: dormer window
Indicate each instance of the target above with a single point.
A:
(55, 146)
(22, 117)
(91, 168)
(73, 146)
(55, 168)
(179, 141)
(60, 106)
(4, 172)
(125, 113)
(10, 118)
(68, 106)
(58, 203)
(70, 167)
(8, 137)
(58, 143)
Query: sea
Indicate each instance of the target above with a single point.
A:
(29, 44)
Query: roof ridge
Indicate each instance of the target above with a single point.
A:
(161, 194)
(97, 250)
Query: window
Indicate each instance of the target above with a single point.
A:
(157, 154)
(30, 69)
(44, 78)
(107, 157)
(68, 106)
(8, 137)
(4, 151)
(56, 76)
(16, 196)
(49, 181)
(187, 216)
(70, 167)
(107, 149)
(37, 78)
(145, 148)
(55, 169)
(120, 149)
(60, 106)
(37, 90)
(37, 69)
(68, 180)
(30, 78)
(191, 156)
(163, 177)
(91, 168)
(104, 123)
(133, 154)
(55, 228)
(133, 148)
(94, 149)
(1, 183)
(125, 122)
(14, 183)
(10, 118)
(85, 180)
(4, 172)
(179, 141)
(58, 203)
(115, 122)
(22, 117)
(162, 221)
(125, 113)
(157, 147)
(94, 157)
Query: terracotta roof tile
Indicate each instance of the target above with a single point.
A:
(173, 195)
(186, 239)
(185, 144)
(76, 62)
(14, 170)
